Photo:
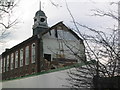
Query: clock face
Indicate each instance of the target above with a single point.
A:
(42, 19)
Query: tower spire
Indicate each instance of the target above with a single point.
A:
(40, 5)
(40, 21)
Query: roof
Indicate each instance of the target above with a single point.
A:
(40, 13)
(35, 37)
(20, 45)
(65, 28)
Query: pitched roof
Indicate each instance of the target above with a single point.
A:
(43, 33)
(65, 28)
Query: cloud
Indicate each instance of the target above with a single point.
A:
(80, 10)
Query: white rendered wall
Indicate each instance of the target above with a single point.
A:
(54, 46)
(51, 46)
(49, 80)
(58, 79)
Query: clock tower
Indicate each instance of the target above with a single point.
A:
(40, 22)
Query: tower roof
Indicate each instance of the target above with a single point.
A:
(40, 13)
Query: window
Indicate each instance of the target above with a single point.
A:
(16, 59)
(47, 57)
(35, 20)
(12, 58)
(3, 64)
(7, 68)
(4, 61)
(33, 53)
(27, 55)
(21, 57)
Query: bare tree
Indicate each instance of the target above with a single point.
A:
(6, 8)
(101, 47)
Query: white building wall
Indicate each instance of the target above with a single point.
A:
(52, 46)
(49, 80)
(57, 79)
(65, 44)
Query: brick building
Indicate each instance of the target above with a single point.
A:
(48, 48)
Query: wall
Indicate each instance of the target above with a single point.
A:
(50, 80)
(58, 78)
(51, 46)
(62, 45)
(20, 61)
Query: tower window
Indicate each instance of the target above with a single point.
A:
(42, 19)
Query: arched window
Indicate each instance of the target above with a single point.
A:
(4, 65)
(16, 59)
(12, 58)
(7, 68)
(33, 53)
(21, 57)
(27, 55)
(1, 64)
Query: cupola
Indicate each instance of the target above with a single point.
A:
(40, 22)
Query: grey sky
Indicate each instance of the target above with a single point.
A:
(79, 8)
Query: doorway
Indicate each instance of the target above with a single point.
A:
(47, 56)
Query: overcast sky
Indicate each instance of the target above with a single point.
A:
(81, 10)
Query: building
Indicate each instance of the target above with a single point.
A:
(48, 48)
